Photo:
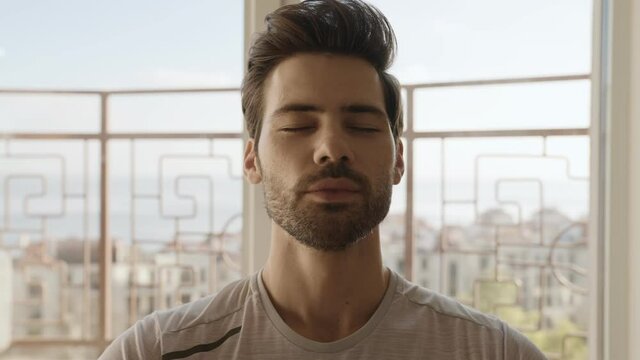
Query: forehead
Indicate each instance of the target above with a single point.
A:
(326, 80)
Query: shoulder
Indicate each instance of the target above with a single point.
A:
(443, 307)
(145, 339)
(209, 309)
(463, 324)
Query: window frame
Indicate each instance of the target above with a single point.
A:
(615, 208)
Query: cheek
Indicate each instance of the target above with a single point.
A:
(379, 158)
(285, 153)
(278, 164)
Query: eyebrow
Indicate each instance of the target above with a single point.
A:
(351, 108)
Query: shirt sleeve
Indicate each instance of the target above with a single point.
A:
(141, 341)
(518, 347)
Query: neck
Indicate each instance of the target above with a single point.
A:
(324, 295)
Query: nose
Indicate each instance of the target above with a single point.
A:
(332, 145)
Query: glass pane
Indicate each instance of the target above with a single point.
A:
(462, 40)
(501, 224)
(121, 44)
(176, 217)
(49, 230)
(49, 113)
(49, 226)
(549, 105)
(185, 112)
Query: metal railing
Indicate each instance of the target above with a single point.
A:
(444, 247)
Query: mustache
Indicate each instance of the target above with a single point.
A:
(333, 170)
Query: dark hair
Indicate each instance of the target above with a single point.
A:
(345, 27)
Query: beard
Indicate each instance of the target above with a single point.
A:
(328, 226)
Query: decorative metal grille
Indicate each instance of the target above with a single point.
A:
(169, 244)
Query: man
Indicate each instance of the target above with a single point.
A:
(325, 121)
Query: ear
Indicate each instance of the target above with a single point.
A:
(398, 169)
(251, 169)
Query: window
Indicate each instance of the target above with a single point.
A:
(185, 298)
(36, 313)
(173, 157)
(186, 277)
(497, 121)
(499, 145)
(35, 291)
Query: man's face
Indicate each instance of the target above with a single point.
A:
(326, 153)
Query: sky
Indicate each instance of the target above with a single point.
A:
(144, 43)
(167, 44)
(79, 44)
(120, 44)
(466, 39)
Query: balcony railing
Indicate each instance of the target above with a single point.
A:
(431, 255)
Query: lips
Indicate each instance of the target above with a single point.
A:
(334, 185)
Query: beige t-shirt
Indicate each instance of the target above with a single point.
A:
(240, 322)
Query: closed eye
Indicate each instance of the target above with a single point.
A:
(307, 128)
(296, 129)
(364, 129)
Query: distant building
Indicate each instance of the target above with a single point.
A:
(456, 260)
(56, 294)
(55, 291)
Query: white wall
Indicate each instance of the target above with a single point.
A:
(256, 237)
(6, 298)
(621, 270)
(634, 184)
